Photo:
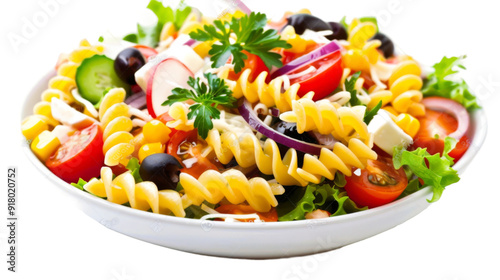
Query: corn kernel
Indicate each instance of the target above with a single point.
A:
(149, 149)
(156, 131)
(44, 145)
(33, 127)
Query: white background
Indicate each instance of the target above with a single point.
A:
(454, 239)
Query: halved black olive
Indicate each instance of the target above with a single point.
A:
(161, 169)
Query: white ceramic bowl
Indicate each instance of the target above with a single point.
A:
(250, 240)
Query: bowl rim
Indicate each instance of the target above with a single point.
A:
(478, 133)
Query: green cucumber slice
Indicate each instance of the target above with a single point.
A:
(95, 76)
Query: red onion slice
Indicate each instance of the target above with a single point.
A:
(253, 120)
(137, 100)
(453, 108)
(307, 58)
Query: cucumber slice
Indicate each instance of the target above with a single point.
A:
(95, 76)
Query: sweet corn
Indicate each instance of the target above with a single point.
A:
(156, 131)
(33, 127)
(44, 145)
(149, 149)
(409, 124)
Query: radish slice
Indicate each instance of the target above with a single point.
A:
(167, 75)
(453, 108)
(307, 58)
(253, 120)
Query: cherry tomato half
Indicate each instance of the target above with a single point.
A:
(254, 63)
(434, 127)
(378, 184)
(323, 80)
(80, 156)
(271, 216)
(187, 148)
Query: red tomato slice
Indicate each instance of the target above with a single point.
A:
(434, 127)
(252, 62)
(323, 80)
(378, 184)
(287, 56)
(146, 51)
(186, 147)
(80, 156)
(271, 216)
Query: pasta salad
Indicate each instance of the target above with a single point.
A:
(243, 118)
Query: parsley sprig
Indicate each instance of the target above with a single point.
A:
(207, 97)
(350, 86)
(250, 37)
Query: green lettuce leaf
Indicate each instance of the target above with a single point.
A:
(328, 196)
(79, 185)
(435, 170)
(150, 35)
(440, 83)
(133, 165)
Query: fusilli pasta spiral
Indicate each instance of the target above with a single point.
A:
(267, 93)
(142, 196)
(233, 185)
(326, 118)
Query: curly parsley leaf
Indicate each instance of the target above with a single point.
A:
(207, 97)
(435, 170)
(250, 37)
(440, 83)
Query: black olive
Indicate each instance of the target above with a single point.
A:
(127, 62)
(161, 169)
(339, 32)
(290, 130)
(387, 46)
(301, 22)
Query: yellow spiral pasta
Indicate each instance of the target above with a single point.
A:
(115, 119)
(233, 185)
(360, 53)
(344, 123)
(179, 111)
(60, 87)
(405, 84)
(142, 196)
(268, 94)
(247, 151)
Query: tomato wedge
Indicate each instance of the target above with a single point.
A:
(434, 127)
(254, 63)
(187, 148)
(378, 184)
(324, 77)
(80, 156)
(271, 216)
